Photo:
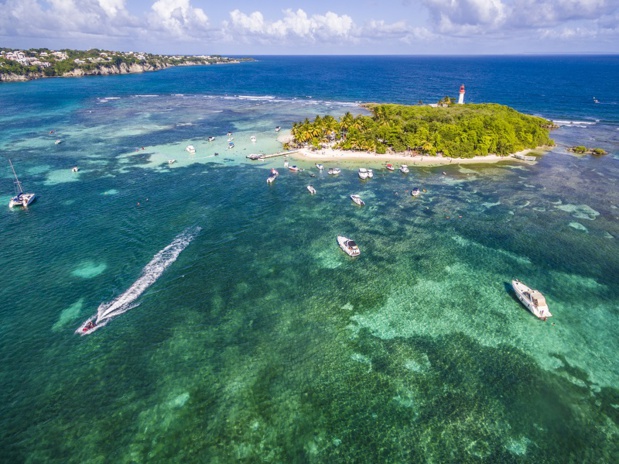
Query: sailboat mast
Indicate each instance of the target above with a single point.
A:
(17, 182)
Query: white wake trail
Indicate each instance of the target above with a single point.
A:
(151, 272)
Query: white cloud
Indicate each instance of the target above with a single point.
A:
(178, 18)
(553, 12)
(294, 25)
(466, 16)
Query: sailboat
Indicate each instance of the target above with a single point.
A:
(21, 198)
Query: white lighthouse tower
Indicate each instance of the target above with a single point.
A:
(461, 96)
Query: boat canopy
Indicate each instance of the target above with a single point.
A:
(351, 243)
(538, 298)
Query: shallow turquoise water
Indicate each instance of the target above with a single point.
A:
(263, 341)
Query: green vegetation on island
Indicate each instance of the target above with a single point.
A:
(456, 131)
(581, 150)
(19, 65)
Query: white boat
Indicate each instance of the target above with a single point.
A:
(230, 145)
(58, 142)
(311, 189)
(293, 168)
(253, 138)
(533, 300)
(171, 161)
(390, 167)
(404, 168)
(254, 156)
(349, 246)
(277, 128)
(357, 199)
(415, 192)
(273, 176)
(320, 166)
(21, 198)
(363, 173)
(370, 173)
(75, 169)
(191, 149)
(211, 139)
(334, 171)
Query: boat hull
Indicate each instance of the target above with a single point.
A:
(524, 294)
(344, 244)
(24, 200)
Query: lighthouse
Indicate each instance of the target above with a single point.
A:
(461, 96)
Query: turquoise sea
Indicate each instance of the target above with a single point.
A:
(244, 334)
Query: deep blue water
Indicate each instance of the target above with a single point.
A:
(260, 340)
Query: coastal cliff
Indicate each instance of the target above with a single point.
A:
(18, 66)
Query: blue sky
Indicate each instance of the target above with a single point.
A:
(242, 27)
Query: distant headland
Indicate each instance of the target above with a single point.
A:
(36, 63)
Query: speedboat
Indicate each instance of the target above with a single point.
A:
(230, 145)
(320, 166)
(363, 173)
(211, 139)
(58, 142)
(390, 167)
(191, 149)
(273, 176)
(349, 246)
(171, 161)
(334, 171)
(75, 169)
(293, 168)
(404, 168)
(311, 189)
(533, 300)
(277, 128)
(357, 199)
(21, 198)
(88, 327)
(415, 192)
(370, 173)
(253, 138)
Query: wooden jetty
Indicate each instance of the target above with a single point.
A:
(274, 155)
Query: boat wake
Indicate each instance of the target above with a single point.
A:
(151, 272)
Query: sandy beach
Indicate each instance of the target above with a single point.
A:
(375, 160)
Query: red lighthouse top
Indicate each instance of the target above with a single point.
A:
(462, 88)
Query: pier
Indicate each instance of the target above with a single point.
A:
(274, 155)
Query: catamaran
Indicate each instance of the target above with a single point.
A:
(21, 198)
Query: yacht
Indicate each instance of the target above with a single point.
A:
(363, 173)
(334, 171)
(415, 192)
(273, 176)
(191, 149)
(357, 199)
(349, 246)
(21, 198)
(311, 189)
(533, 300)
(404, 168)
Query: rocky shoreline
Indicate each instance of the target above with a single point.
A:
(122, 68)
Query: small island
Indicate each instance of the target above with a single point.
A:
(446, 131)
(582, 150)
(36, 63)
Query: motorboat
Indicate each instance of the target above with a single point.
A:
(254, 156)
(171, 161)
(293, 168)
(349, 246)
(253, 138)
(21, 198)
(334, 171)
(390, 167)
(357, 199)
(363, 173)
(273, 176)
(230, 145)
(415, 192)
(88, 327)
(404, 168)
(533, 300)
(277, 128)
(211, 139)
(191, 149)
(75, 169)
(311, 189)
(370, 173)
(58, 142)
(320, 166)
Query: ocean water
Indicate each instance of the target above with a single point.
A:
(244, 334)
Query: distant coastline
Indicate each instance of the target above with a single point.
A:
(26, 65)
